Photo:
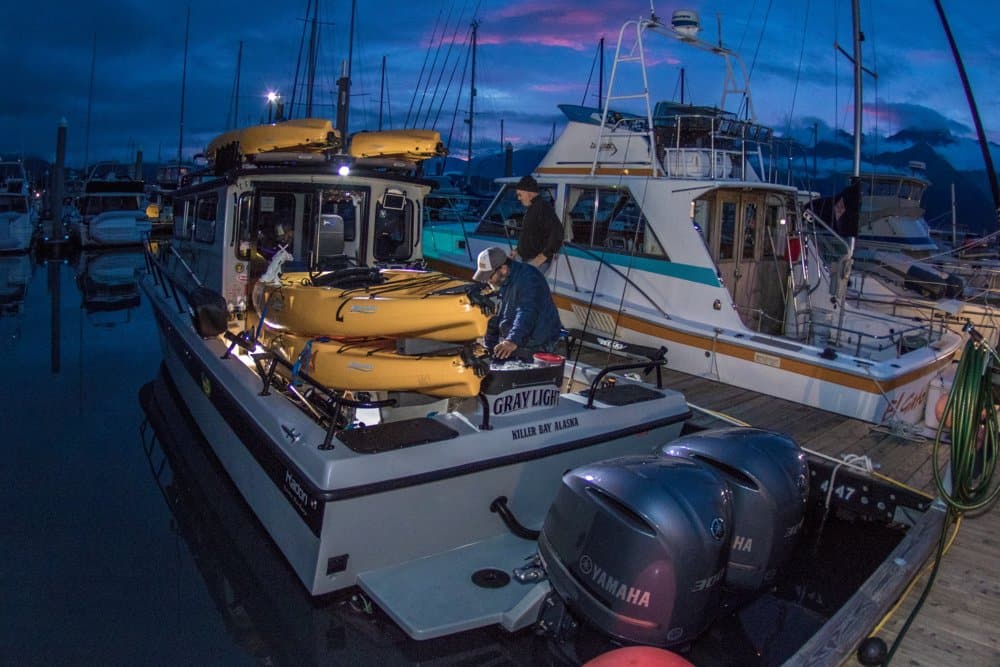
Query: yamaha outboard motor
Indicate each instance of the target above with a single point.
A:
(637, 546)
(769, 479)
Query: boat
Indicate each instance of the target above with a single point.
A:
(110, 211)
(891, 215)
(897, 284)
(674, 237)
(267, 610)
(18, 217)
(343, 478)
(365, 302)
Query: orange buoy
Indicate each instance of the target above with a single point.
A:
(638, 656)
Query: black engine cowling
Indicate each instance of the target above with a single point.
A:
(637, 546)
(769, 479)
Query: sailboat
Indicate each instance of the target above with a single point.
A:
(676, 238)
(897, 268)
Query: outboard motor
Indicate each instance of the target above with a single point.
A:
(769, 479)
(637, 546)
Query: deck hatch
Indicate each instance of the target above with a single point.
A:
(395, 435)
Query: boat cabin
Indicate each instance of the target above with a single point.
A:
(325, 214)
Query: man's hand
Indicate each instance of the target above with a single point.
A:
(504, 349)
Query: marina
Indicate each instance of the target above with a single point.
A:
(299, 400)
(116, 562)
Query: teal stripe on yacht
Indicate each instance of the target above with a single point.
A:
(694, 274)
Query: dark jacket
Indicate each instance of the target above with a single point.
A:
(541, 231)
(526, 316)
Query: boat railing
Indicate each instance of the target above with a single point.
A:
(715, 147)
(870, 335)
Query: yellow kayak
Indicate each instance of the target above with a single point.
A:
(296, 134)
(374, 365)
(408, 304)
(404, 144)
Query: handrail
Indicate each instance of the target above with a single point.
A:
(657, 362)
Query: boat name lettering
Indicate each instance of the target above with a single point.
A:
(364, 309)
(611, 344)
(905, 403)
(617, 589)
(544, 427)
(298, 493)
(527, 398)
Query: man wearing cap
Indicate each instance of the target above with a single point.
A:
(526, 320)
(541, 231)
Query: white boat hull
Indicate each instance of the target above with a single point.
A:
(338, 515)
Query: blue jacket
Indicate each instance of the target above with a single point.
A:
(527, 315)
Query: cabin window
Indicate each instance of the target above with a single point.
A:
(13, 205)
(335, 205)
(775, 233)
(727, 230)
(393, 238)
(243, 235)
(205, 217)
(181, 228)
(276, 214)
(749, 231)
(610, 219)
(505, 214)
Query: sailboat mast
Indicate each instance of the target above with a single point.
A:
(856, 34)
(311, 63)
(381, 95)
(983, 144)
(90, 101)
(180, 139)
(600, 75)
(472, 92)
(344, 83)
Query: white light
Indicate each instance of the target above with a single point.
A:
(272, 96)
(781, 222)
(344, 170)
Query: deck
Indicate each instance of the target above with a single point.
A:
(960, 621)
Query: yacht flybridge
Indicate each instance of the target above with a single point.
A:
(677, 237)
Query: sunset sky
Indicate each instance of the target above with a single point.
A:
(531, 56)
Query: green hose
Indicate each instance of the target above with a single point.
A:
(974, 437)
(974, 432)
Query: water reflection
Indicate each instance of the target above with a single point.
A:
(107, 279)
(15, 273)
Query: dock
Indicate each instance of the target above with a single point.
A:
(960, 620)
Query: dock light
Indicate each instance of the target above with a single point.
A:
(344, 170)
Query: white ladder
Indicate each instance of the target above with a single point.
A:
(627, 54)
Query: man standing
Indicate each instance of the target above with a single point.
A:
(541, 231)
(526, 320)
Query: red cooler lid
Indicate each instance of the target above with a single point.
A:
(548, 358)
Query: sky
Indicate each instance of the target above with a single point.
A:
(113, 69)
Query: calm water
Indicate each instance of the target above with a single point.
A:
(124, 544)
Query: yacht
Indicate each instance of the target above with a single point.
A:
(18, 217)
(676, 237)
(110, 211)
